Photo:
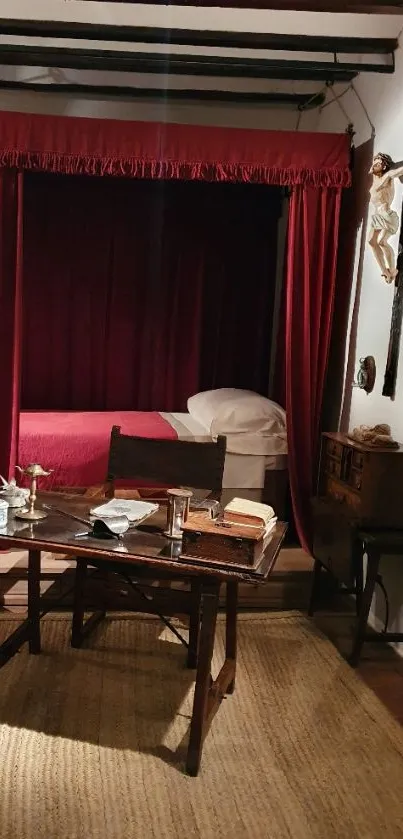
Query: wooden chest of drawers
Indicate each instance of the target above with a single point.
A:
(358, 485)
(366, 480)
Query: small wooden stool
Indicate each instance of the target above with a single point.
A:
(374, 543)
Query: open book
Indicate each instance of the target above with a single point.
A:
(249, 513)
(135, 511)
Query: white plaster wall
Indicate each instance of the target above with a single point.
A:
(235, 116)
(382, 97)
(220, 114)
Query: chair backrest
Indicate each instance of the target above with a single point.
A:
(169, 462)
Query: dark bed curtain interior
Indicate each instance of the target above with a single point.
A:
(137, 294)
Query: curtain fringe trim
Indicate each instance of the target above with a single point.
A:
(172, 169)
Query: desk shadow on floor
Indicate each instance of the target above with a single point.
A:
(129, 688)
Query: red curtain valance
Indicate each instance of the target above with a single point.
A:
(78, 145)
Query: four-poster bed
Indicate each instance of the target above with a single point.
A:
(314, 167)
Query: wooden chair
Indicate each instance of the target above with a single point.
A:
(172, 462)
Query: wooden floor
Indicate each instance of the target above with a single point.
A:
(380, 667)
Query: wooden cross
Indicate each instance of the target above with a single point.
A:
(389, 382)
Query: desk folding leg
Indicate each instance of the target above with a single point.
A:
(29, 629)
(208, 693)
(198, 728)
(34, 600)
(231, 628)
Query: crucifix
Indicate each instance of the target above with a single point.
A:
(389, 382)
(384, 224)
(384, 221)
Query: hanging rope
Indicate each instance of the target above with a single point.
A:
(364, 109)
(337, 99)
(302, 108)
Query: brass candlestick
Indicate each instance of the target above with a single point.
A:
(33, 471)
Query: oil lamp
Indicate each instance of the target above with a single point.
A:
(33, 472)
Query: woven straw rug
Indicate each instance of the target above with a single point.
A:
(92, 741)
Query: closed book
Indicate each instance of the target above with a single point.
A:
(244, 511)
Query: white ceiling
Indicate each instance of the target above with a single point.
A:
(196, 18)
(190, 17)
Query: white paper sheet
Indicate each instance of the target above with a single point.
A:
(135, 511)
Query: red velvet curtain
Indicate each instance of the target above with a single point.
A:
(11, 195)
(353, 225)
(310, 288)
(139, 293)
(151, 150)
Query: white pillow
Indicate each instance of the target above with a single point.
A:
(251, 423)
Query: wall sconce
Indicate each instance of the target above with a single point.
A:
(366, 374)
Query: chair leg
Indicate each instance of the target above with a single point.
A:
(80, 629)
(358, 572)
(194, 625)
(78, 606)
(317, 569)
(362, 620)
(231, 608)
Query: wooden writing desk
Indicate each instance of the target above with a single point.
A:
(146, 548)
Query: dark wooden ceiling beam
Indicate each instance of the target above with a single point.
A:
(336, 6)
(199, 38)
(200, 65)
(303, 101)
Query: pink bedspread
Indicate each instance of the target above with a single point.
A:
(75, 445)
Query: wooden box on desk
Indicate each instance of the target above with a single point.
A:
(220, 543)
(358, 485)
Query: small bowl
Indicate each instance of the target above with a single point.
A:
(15, 498)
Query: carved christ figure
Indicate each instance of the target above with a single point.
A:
(384, 220)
